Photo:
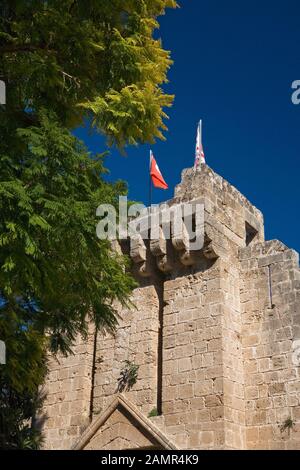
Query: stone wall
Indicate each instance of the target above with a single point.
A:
(136, 340)
(68, 391)
(193, 407)
(271, 324)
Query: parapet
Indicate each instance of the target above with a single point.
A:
(228, 223)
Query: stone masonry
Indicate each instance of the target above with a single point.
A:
(214, 333)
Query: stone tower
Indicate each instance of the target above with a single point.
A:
(215, 335)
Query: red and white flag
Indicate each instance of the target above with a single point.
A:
(156, 176)
(199, 155)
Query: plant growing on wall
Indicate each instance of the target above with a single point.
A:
(128, 376)
(288, 424)
(153, 413)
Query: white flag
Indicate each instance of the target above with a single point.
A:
(199, 155)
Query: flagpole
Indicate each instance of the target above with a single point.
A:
(150, 182)
(200, 127)
(150, 191)
(197, 164)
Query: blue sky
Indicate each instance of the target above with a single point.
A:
(234, 64)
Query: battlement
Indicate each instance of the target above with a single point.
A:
(227, 203)
(228, 222)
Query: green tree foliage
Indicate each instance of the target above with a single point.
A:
(50, 253)
(94, 57)
(56, 276)
(17, 428)
(64, 62)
